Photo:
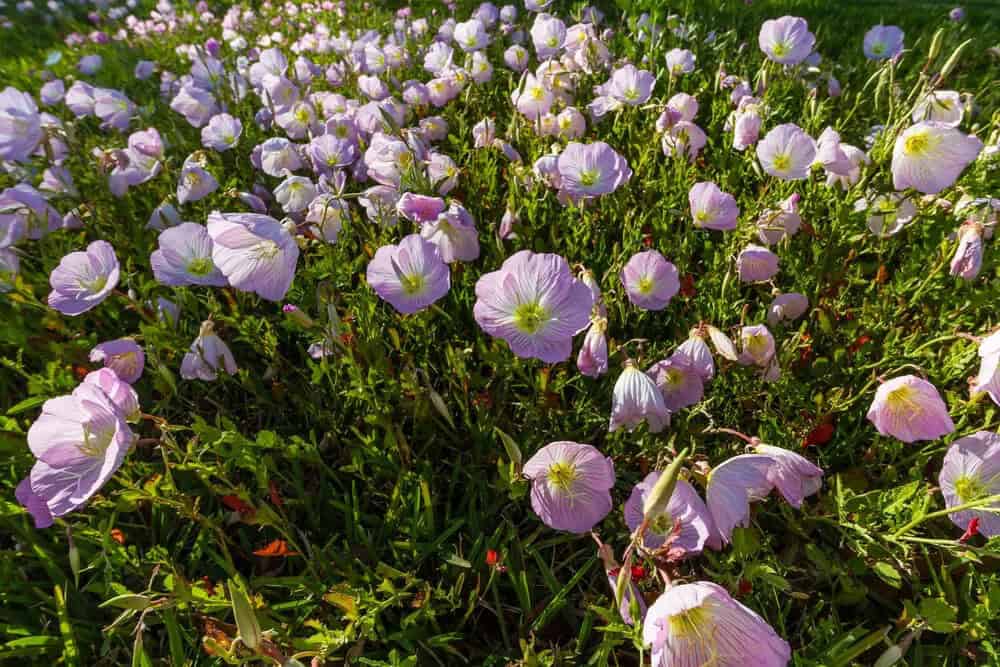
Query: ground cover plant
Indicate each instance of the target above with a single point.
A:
(544, 334)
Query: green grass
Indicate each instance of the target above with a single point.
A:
(384, 467)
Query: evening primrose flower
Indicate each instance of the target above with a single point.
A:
(697, 354)
(758, 346)
(548, 34)
(787, 152)
(988, 379)
(930, 156)
(535, 304)
(650, 280)
(786, 308)
(123, 356)
(888, 213)
(295, 193)
(910, 408)
(775, 225)
(680, 61)
(712, 208)
(195, 182)
(592, 360)
(570, 485)
(756, 264)
(942, 106)
(700, 624)
(184, 257)
(968, 259)
(80, 441)
(786, 40)
(454, 233)
(794, 476)
(256, 253)
(683, 138)
(222, 132)
(685, 508)
(629, 85)
(970, 472)
(84, 279)
(532, 98)
(410, 276)
(591, 170)
(636, 399)
(732, 486)
(207, 356)
(326, 216)
(679, 382)
(883, 42)
(20, 125)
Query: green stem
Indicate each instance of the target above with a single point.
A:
(975, 504)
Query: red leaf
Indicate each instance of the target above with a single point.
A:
(276, 549)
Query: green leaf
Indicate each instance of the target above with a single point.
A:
(939, 615)
(888, 574)
(26, 404)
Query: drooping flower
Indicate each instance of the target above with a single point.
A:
(592, 360)
(207, 356)
(117, 390)
(25, 213)
(650, 280)
(941, 106)
(591, 170)
(968, 259)
(910, 408)
(680, 383)
(632, 593)
(696, 352)
(930, 156)
(732, 486)
(410, 276)
(712, 208)
(787, 307)
(794, 476)
(685, 507)
(123, 356)
(535, 304)
(700, 624)
(80, 441)
(256, 253)
(756, 264)
(883, 42)
(570, 485)
(84, 279)
(786, 40)
(787, 152)
(420, 208)
(636, 399)
(971, 472)
(184, 257)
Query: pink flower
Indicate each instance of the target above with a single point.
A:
(650, 280)
(570, 485)
(909, 408)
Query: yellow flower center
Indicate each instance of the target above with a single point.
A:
(95, 444)
(781, 49)
(529, 318)
(663, 524)
(645, 285)
(782, 161)
(588, 177)
(690, 624)
(200, 266)
(561, 476)
(412, 284)
(969, 489)
(918, 144)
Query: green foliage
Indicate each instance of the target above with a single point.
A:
(389, 470)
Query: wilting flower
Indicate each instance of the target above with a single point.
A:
(208, 354)
(775, 225)
(786, 40)
(571, 485)
(84, 279)
(222, 132)
(929, 156)
(590, 170)
(988, 379)
(712, 208)
(857, 158)
(635, 399)
(758, 346)
(80, 441)
(20, 125)
(410, 276)
(256, 253)
(680, 381)
(685, 508)
(650, 280)
(632, 593)
(696, 352)
(909, 409)
(968, 259)
(184, 257)
(883, 42)
(787, 152)
(732, 486)
(535, 304)
(830, 154)
(592, 360)
(123, 356)
(680, 61)
(756, 264)
(787, 307)
(971, 472)
(700, 624)
(942, 106)
(794, 476)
